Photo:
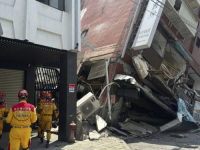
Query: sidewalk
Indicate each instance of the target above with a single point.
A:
(164, 141)
(109, 143)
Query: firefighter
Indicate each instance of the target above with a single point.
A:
(40, 101)
(46, 110)
(20, 117)
(3, 112)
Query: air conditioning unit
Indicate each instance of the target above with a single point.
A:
(87, 105)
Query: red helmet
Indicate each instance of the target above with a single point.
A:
(42, 93)
(48, 95)
(23, 93)
(2, 95)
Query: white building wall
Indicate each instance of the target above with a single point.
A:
(41, 24)
(187, 14)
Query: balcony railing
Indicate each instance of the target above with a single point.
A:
(194, 3)
(182, 16)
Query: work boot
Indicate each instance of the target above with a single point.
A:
(41, 140)
(47, 144)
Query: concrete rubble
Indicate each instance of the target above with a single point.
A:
(100, 123)
(94, 135)
(148, 101)
(179, 135)
(118, 131)
(137, 129)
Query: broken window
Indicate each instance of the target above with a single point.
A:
(177, 5)
(84, 33)
(198, 42)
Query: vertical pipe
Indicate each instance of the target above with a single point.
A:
(131, 29)
(108, 91)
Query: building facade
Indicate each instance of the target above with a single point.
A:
(40, 36)
(170, 52)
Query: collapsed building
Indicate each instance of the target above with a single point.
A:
(141, 72)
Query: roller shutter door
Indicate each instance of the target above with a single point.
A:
(11, 81)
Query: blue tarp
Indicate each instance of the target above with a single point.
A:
(183, 110)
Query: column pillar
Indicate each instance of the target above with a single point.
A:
(67, 102)
(30, 84)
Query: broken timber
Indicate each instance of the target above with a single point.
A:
(146, 92)
(156, 100)
(163, 88)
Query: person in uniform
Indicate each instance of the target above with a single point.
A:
(3, 112)
(40, 101)
(46, 110)
(20, 117)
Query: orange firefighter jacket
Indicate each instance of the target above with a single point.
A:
(22, 114)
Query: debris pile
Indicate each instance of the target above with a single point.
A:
(157, 95)
(138, 129)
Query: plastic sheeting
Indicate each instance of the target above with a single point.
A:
(183, 110)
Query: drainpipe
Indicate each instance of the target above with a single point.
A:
(1, 30)
(108, 90)
(131, 28)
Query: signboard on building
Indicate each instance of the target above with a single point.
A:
(148, 26)
(71, 88)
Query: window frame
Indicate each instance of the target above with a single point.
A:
(61, 4)
(178, 9)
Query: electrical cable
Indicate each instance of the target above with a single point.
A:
(106, 86)
(89, 85)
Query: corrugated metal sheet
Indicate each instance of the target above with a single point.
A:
(11, 81)
(27, 53)
(97, 70)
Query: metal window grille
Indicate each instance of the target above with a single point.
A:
(48, 80)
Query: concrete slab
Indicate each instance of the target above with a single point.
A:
(100, 122)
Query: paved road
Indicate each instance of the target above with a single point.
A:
(165, 142)
(109, 143)
(157, 142)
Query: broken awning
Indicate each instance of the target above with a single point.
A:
(146, 92)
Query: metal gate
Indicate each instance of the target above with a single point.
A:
(11, 81)
(47, 79)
